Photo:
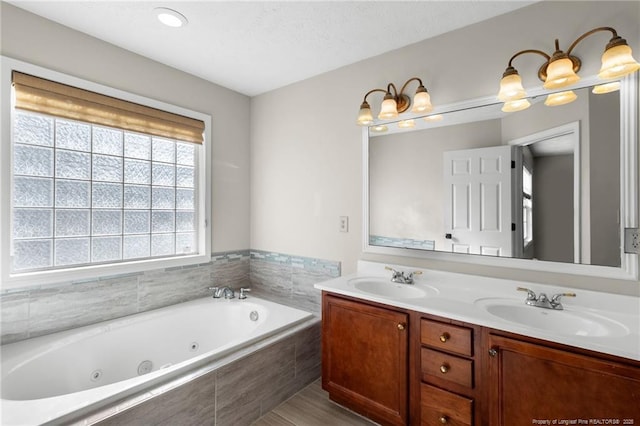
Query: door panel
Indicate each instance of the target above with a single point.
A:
(478, 211)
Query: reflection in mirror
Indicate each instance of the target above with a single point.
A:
(543, 183)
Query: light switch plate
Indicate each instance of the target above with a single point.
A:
(631, 241)
(344, 224)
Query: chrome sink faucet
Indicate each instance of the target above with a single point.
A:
(543, 301)
(402, 277)
(225, 291)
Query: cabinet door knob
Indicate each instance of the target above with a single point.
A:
(444, 419)
(401, 326)
(444, 337)
(444, 368)
(493, 352)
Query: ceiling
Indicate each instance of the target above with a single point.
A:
(253, 47)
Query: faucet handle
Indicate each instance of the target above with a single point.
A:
(243, 290)
(389, 268)
(216, 292)
(530, 294)
(555, 299)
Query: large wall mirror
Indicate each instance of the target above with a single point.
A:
(547, 188)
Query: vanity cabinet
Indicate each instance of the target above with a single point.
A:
(448, 370)
(530, 382)
(401, 367)
(365, 358)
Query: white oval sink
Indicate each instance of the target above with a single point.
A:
(386, 288)
(567, 322)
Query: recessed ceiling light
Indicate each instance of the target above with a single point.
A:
(170, 17)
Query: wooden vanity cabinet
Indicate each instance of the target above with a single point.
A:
(449, 372)
(531, 382)
(365, 351)
(400, 367)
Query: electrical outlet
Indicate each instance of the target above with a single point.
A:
(631, 240)
(344, 223)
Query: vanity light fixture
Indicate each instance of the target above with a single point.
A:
(380, 128)
(170, 17)
(406, 124)
(560, 70)
(560, 98)
(433, 118)
(606, 87)
(395, 103)
(517, 105)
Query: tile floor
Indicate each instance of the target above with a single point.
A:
(311, 407)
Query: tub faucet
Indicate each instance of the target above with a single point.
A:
(225, 291)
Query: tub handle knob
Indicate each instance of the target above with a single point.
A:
(243, 290)
(216, 292)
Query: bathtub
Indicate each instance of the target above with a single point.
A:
(59, 376)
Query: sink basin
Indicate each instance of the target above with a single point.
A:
(567, 322)
(386, 288)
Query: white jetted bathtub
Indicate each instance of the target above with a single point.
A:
(48, 377)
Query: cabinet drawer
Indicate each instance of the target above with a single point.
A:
(451, 338)
(446, 367)
(439, 407)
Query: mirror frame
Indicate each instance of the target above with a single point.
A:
(628, 194)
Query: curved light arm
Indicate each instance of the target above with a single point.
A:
(539, 52)
(404, 86)
(373, 91)
(593, 31)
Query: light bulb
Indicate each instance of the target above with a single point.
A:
(617, 62)
(511, 88)
(421, 101)
(606, 87)
(364, 116)
(560, 98)
(560, 74)
(170, 17)
(517, 105)
(389, 108)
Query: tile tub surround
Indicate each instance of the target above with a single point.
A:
(40, 310)
(234, 394)
(289, 279)
(281, 278)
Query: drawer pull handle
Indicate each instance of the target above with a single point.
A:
(444, 419)
(493, 352)
(444, 368)
(401, 326)
(444, 337)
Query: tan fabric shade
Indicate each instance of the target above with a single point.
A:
(48, 97)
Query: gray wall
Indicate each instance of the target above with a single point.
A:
(32, 39)
(406, 188)
(553, 208)
(604, 130)
(297, 169)
(306, 149)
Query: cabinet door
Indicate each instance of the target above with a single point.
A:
(364, 359)
(530, 384)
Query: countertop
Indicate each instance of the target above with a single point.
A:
(465, 298)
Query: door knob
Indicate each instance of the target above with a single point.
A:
(448, 236)
(401, 326)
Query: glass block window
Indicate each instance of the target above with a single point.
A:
(86, 194)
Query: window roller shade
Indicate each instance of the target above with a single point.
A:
(39, 95)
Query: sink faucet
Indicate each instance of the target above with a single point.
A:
(543, 301)
(402, 277)
(225, 291)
